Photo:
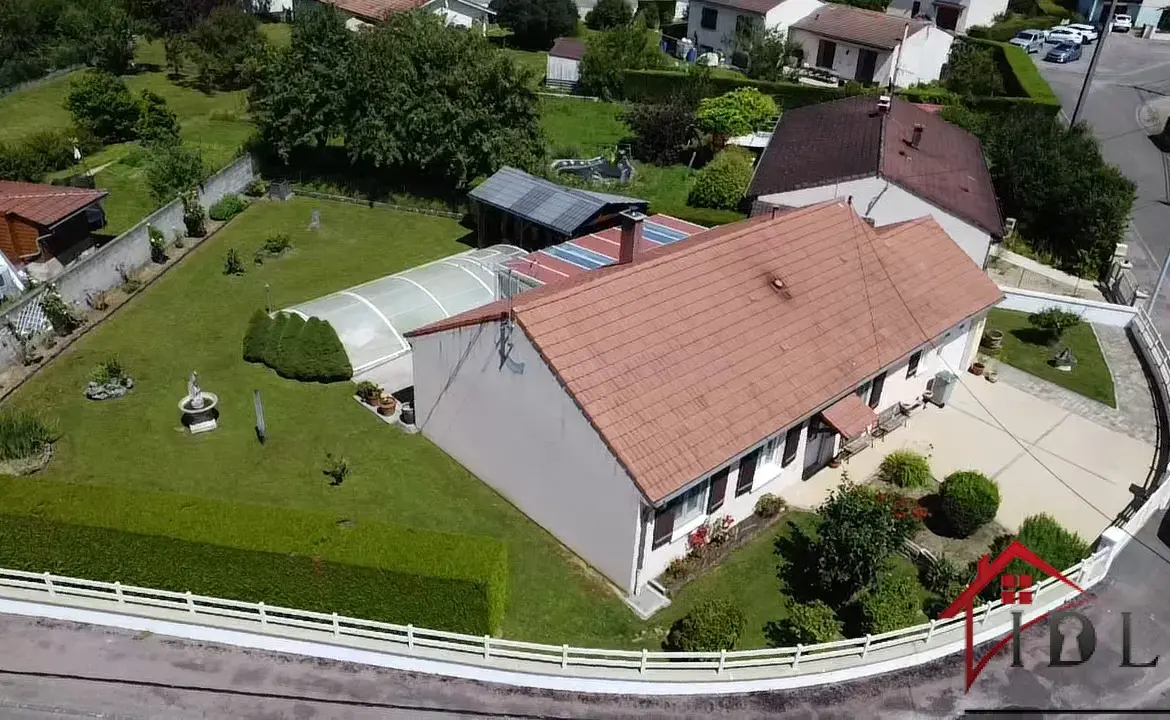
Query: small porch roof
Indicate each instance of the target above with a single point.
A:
(850, 416)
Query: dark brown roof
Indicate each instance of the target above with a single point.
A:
(45, 205)
(856, 25)
(754, 6)
(568, 48)
(375, 10)
(851, 139)
(689, 355)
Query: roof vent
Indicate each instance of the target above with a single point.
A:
(779, 286)
(884, 103)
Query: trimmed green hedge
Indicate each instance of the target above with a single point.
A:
(299, 350)
(650, 85)
(1021, 80)
(297, 559)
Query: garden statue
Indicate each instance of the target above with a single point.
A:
(315, 220)
(1064, 361)
(198, 407)
(194, 392)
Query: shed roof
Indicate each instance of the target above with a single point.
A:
(375, 10)
(45, 205)
(545, 203)
(859, 26)
(689, 355)
(568, 48)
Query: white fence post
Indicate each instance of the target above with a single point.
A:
(487, 646)
(865, 649)
(49, 584)
(642, 665)
(930, 632)
(722, 660)
(796, 657)
(336, 626)
(118, 592)
(190, 602)
(410, 636)
(986, 612)
(564, 656)
(263, 615)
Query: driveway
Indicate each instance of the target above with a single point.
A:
(1128, 101)
(1045, 457)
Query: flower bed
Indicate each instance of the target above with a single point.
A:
(710, 545)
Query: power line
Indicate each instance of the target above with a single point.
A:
(1106, 27)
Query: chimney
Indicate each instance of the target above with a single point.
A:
(631, 235)
(916, 138)
(884, 103)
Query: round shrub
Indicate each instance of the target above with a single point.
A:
(722, 183)
(969, 501)
(769, 506)
(894, 603)
(1056, 545)
(227, 207)
(807, 624)
(906, 469)
(256, 337)
(709, 627)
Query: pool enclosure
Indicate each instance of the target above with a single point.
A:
(372, 318)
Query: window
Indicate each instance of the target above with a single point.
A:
(875, 397)
(690, 505)
(709, 19)
(863, 390)
(912, 368)
(747, 473)
(718, 490)
(791, 441)
(914, 10)
(663, 526)
(768, 454)
(826, 54)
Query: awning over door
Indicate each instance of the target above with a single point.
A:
(850, 416)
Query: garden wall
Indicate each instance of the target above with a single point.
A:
(1092, 311)
(234, 178)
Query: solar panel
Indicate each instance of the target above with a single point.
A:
(591, 255)
(670, 232)
(560, 253)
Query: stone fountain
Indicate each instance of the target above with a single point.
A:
(198, 407)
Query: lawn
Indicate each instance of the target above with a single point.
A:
(193, 318)
(1027, 348)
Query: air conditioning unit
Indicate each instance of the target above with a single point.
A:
(1121, 252)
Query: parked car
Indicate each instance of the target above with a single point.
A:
(1122, 23)
(1065, 35)
(1088, 31)
(1030, 40)
(1065, 52)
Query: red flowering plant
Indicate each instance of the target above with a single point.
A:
(908, 514)
(699, 539)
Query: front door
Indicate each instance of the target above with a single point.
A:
(818, 448)
(866, 66)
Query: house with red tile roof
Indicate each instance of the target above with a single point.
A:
(624, 407)
(896, 160)
(714, 25)
(458, 13)
(44, 227)
(870, 47)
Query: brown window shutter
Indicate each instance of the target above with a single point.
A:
(747, 473)
(663, 526)
(718, 490)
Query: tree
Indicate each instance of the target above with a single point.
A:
(157, 125)
(738, 112)
(971, 70)
(770, 52)
(221, 47)
(300, 96)
(102, 104)
(174, 170)
(105, 32)
(167, 18)
(1054, 321)
(722, 183)
(662, 10)
(535, 24)
(895, 602)
(663, 132)
(610, 54)
(437, 101)
(608, 14)
(710, 626)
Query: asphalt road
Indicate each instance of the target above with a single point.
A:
(50, 670)
(1129, 100)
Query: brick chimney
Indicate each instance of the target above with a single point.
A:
(916, 138)
(631, 235)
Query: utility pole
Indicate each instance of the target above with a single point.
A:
(1106, 28)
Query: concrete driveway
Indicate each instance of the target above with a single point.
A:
(1128, 101)
(1044, 457)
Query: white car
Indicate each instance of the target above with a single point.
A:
(1061, 35)
(1122, 23)
(1088, 31)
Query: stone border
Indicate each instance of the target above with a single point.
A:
(27, 466)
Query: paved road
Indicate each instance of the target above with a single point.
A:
(63, 670)
(1129, 100)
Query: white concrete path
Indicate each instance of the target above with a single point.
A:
(1045, 458)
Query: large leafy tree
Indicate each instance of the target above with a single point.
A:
(223, 45)
(300, 96)
(608, 14)
(165, 18)
(535, 24)
(663, 132)
(102, 104)
(770, 52)
(735, 113)
(609, 54)
(104, 31)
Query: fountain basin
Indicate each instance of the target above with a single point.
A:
(200, 419)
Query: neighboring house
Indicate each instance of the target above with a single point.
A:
(956, 15)
(564, 63)
(457, 13)
(513, 207)
(43, 228)
(1144, 13)
(714, 25)
(872, 47)
(896, 161)
(624, 407)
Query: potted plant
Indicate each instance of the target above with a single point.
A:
(387, 405)
(835, 462)
(368, 393)
(977, 368)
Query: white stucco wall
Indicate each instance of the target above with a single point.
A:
(521, 434)
(923, 55)
(1092, 311)
(722, 37)
(981, 12)
(789, 12)
(950, 351)
(460, 14)
(887, 203)
(845, 58)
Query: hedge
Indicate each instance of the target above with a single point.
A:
(722, 182)
(309, 351)
(650, 85)
(1021, 79)
(255, 553)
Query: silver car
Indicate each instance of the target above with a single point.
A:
(1031, 41)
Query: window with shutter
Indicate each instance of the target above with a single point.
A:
(718, 490)
(875, 395)
(791, 443)
(912, 367)
(747, 473)
(663, 526)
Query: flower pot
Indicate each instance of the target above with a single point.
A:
(387, 406)
(835, 463)
(977, 369)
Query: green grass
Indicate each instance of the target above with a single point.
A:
(1026, 348)
(749, 579)
(194, 318)
(534, 61)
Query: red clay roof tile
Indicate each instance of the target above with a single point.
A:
(45, 204)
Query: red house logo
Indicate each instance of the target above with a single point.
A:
(1014, 590)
